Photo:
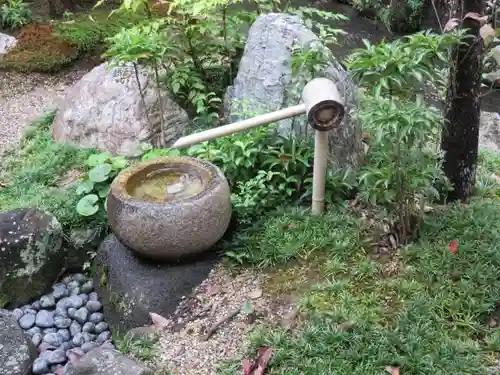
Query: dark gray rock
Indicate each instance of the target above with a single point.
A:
(74, 301)
(65, 334)
(53, 339)
(73, 284)
(67, 279)
(40, 366)
(80, 278)
(49, 330)
(102, 361)
(45, 319)
(82, 315)
(59, 291)
(84, 297)
(93, 296)
(88, 327)
(61, 312)
(62, 322)
(81, 243)
(96, 318)
(36, 305)
(17, 352)
(135, 287)
(27, 321)
(67, 345)
(36, 339)
(57, 357)
(75, 328)
(88, 346)
(31, 257)
(48, 301)
(103, 337)
(75, 291)
(33, 331)
(88, 337)
(88, 287)
(78, 340)
(72, 312)
(265, 83)
(101, 327)
(94, 306)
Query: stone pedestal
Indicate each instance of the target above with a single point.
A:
(131, 287)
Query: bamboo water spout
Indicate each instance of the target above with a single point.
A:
(324, 108)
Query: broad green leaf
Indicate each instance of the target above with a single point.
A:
(87, 205)
(85, 187)
(100, 173)
(97, 159)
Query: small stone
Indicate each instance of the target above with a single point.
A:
(74, 301)
(67, 345)
(36, 305)
(84, 297)
(101, 327)
(62, 322)
(53, 339)
(93, 296)
(33, 331)
(56, 369)
(103, 337)
(27, 321)
(75, 291)
(80, 278)
(18, 313)
(40, 366)
(29, 310)
(48, 301)
(49, 330)
(78, 340)
(82, 314)
(57, 357)
(108, 345)
(71, 312)
(73, 284)
(88, 346)
(94, 306)
(44, 319)
(88, 327)
(77, 351)
(61, 312)
(36, 339)
(75, 328)
(59, 291)
(65, 335)
(96, 318)
(89, 336)
(87, 287)
(44, 348)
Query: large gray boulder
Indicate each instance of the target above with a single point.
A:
(105, 110)
(489, 131)
(17, 353)
(6, 42)
(102, 361)
(265, 83)
(30, 254)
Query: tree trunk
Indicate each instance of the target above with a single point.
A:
(461, 133)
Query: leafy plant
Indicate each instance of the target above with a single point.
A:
(15, 14)
(103, 168)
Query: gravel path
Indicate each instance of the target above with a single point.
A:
(25, 97)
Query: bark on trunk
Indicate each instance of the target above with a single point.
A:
(461, 133)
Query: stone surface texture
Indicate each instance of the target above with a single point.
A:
(105, 110)
(176, 229)
(489, 131)
(130, 288)
(17, 353)
(265, 83)
(105, 362)
(6, 42)
(30, 253)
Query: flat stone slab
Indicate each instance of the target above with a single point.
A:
(130, 287)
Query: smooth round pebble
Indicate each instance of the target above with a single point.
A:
(49, 330)
(81, 315)
(57, 357)
(78, 340)
(27, 321)
(17, 313)
(103, 337)
(65, 334)
(80, 277)
(87, 287)
(33, 331)
(75, 291)
(101, 327)
(48, 301)
(40, 366)
(96, 318)
(88, 346)
(36, 305)
(84, 297)
(75, 328)
(88, 337)
(74, 301)
(88, 327)
(73, 284)
(72, 312)
(67, 345)
(108, 345)
(44, 319)
(61, 312)
(93, 296)
(94, 306)
(53, 339)
(36, 339)
(28, 310)
(62, 322)
(59, 291)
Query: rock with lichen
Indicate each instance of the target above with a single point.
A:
(30, 254)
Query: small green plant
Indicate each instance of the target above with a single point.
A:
(15, 14)
(103, 168)
(142, 348)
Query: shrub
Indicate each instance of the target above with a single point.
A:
(15, 14)
(39, 50)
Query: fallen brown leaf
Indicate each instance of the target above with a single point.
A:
(159, 321)
(259, 365)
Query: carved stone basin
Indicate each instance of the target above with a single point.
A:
(169, 208)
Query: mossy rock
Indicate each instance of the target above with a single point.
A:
(30, 254)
